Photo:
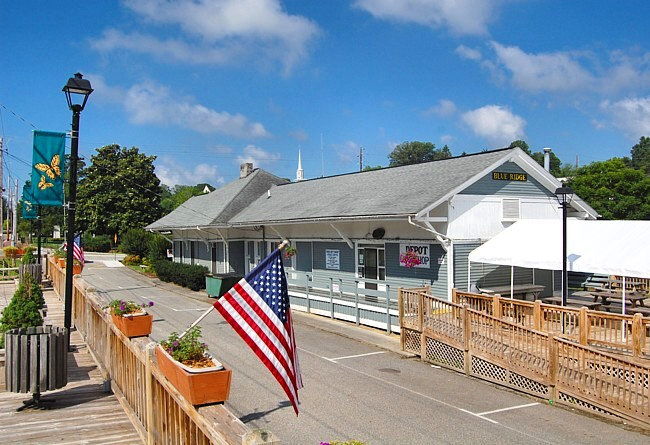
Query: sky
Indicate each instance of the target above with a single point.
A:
(205, 85)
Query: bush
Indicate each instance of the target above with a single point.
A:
(22, 311)
(99, 243)
(184, 275)
(135, 242)
(132, 260)
(29, 257)
(157, 248)
(10, 252)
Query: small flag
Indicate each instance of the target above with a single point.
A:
(258, 309)
(77, 250)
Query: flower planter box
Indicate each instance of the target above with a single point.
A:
(134, 325)
(199, 386)
(61, 262)
(76, 269)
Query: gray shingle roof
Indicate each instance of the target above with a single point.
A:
(218, 206)
(391, 191)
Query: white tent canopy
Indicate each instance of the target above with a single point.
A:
(605, 247)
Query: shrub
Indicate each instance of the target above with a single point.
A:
(185, 275)
(188, 350)
(29, 257)
(132, 260)
(22, 311)
(99, 243)
(135, 242)
(10, 251)
(157, 248)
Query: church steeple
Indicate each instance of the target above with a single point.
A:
(300, 174)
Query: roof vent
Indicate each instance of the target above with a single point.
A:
(245, 169)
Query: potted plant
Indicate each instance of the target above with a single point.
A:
(131, 318)
(77, 267)
(196, 374)
(289, 251)
(59, 256)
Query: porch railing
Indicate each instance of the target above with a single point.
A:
(488, 345)
(157, 410)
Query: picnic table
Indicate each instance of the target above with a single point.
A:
(593, 305)
(616, 295)
(523, 290)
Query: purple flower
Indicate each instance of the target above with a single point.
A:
(122, 306)
(176, 343)
(150, 303)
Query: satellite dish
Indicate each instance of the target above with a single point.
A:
(378, 233)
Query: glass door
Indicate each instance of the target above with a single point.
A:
(371, 264)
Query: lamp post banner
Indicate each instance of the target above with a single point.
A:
(29, 206)
(48, 162)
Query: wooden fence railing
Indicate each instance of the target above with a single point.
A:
(159, 412)
(482, 344)
(618, 333)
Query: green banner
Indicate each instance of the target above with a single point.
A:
(48, 168)
(29, 206)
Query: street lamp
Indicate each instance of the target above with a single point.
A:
(564, 196)
(77, 88)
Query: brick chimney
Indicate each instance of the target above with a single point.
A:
(245, 169)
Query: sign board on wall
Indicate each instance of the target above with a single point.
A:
(332, 259)
(508, 176)
(423, 251)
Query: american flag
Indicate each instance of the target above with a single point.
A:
(257, 307)
(77, 249)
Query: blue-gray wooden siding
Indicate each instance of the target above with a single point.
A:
(346, 256)
(488, 186)
(303, 256)
(236, 254)
(203, 256)
(400, 276)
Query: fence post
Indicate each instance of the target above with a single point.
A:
(307, 293)
(331, 298)
(638, 336)
(420, 311)
(454, 296)
(467, 335)
(356, 300)
(149, 393)
(553, 359)
(388, 309)
(496, 307)
(537, 315)
(583, 321)
(400, 310)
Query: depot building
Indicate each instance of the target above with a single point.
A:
(352, 231)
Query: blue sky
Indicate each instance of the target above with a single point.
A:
(206, 85)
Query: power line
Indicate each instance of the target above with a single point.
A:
(17, 116)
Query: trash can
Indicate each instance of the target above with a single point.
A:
(218, 284)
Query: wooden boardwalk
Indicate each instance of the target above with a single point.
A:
(82, 414)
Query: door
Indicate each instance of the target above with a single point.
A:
(213, 257)
(371, 264)
(372, 271)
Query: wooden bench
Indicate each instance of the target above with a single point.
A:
(572, 302)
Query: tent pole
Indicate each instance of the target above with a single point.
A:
(512, 281)
(623, 310)
(469, 275)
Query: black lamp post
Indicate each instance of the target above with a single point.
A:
(76, 88)
(564, 196)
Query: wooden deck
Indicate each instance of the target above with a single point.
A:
(83, 412)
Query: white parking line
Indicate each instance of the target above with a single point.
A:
(354, 356)
(508, 409)
(477, 415)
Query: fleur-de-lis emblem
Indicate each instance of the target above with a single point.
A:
(52, 170)
(28, 206)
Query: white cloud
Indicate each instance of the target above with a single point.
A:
(151, 103)
(446, 138)
(497, 124)
(217, 32)
(171, 173)
(444, 108)
(460, 16)
(569, 71)
(468, 53)
(299, 134)
(347, 152)
(632, 115)
(257, 156)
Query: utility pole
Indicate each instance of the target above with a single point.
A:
(360, 159)
(1, 203)
(14, 231)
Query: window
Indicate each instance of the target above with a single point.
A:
(510, 209)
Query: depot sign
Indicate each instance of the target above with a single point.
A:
(423, 251)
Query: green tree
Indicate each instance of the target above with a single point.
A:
(173, 197)
(416, 152)
(641, 155)
(118, 191)
(538, 156)
(368, 168)
(521, 144)
(613, 189)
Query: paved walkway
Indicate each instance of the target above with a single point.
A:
(82, 414)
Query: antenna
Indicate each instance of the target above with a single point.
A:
(322, 163)
(360, 158)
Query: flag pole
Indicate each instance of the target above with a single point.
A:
(205, 314)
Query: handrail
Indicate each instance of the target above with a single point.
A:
(157, 410)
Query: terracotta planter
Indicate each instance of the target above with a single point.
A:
(199, 386)
(61, 262)
(134, 325)
(76, 269)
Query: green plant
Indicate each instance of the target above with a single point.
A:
(98, 243)
(290, 251)
(135, 242)
(185, 275)
(157, 248)
(121, 307)
(22, 310)
(188, 350)
(29, 257)
(132, 260)
(59, 252)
